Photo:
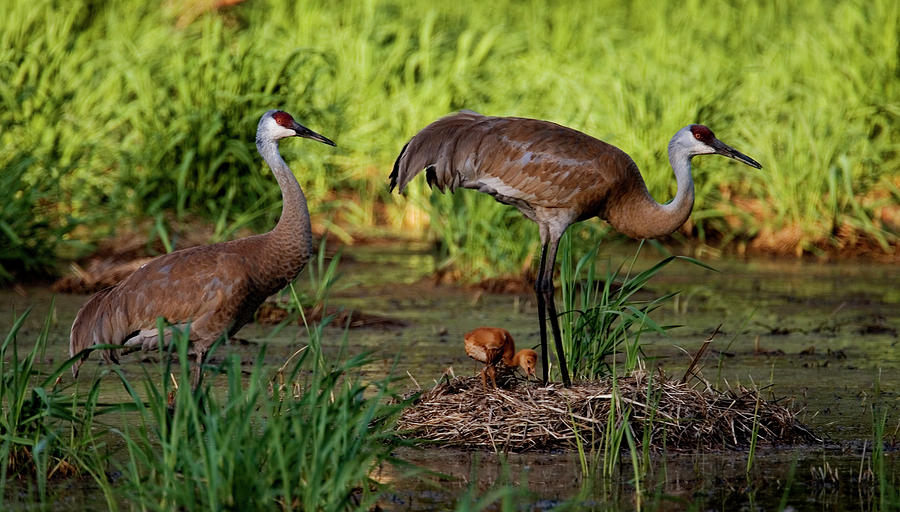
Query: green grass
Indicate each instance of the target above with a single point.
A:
(306, 440)
(30, 232)
(888, 492)
(602, 320)
(480, 240)
(123, 112)
(46, 432)
(307, 436)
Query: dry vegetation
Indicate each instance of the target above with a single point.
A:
(522, 416)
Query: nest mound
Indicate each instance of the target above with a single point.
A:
(521, 416)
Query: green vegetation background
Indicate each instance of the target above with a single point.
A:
(115, 111)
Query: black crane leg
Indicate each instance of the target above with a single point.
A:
(557, 338)
(547, 307)
(542, 316)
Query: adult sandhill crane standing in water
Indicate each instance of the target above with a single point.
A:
(215, 289)
(492, 346)
(555, 176)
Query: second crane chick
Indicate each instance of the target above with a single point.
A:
(494, 345)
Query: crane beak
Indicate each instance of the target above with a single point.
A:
(726, 150)
(306, 133)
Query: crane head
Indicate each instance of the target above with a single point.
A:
(277, 124)
(702, 141)
(527, 361)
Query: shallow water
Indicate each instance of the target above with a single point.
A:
(822, 334)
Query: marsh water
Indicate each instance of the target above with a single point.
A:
(821, 336)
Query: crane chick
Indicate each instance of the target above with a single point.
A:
(494, 345)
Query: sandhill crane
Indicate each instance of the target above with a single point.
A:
(215, 289)
(555, 176)
(492, 346)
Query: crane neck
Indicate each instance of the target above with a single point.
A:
(519, 360)
(635, 213)
(292, 235)
(679, 208)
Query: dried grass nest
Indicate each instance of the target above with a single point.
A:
(521, 416)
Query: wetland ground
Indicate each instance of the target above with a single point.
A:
(822, 335)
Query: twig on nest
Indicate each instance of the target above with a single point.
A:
(523, 416)
(696, 360)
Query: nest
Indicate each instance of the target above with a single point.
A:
(664, 413)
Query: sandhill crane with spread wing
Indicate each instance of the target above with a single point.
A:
(213, 289)
(555, 176)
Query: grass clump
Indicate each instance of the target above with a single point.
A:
(310, 439)
(603, 318)
(125, 110)
(479, 239)
(30, 231)
(46, 433)
(310, 436)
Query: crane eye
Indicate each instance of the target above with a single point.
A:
(284, 119)
(702, 133)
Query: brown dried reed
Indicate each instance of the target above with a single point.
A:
(521, 416)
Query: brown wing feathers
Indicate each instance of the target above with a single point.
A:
(395, 173)
(95, 324)
(443, 149)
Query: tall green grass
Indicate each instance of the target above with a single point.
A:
(309, 438)
(46, 432)
(30, 231)
(125, 113)
(888, 490)
(603, 319)
(480, 240)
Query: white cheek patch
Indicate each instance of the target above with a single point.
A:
(276, 131)
(281, 131)
(698, 147)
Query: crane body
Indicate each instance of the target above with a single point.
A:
(213, 290)
(555, 176)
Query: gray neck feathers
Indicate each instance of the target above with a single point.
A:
(292, 236)
(638, 215)
(680, 207)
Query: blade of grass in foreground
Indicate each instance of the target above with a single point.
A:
(602, 317)
(45, 432)
(252, 444)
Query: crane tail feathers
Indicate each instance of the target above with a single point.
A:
(395, 174)
(96, 323)
(446, 149)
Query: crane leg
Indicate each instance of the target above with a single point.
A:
(196, 371)
(547, 307)
(542, 324)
